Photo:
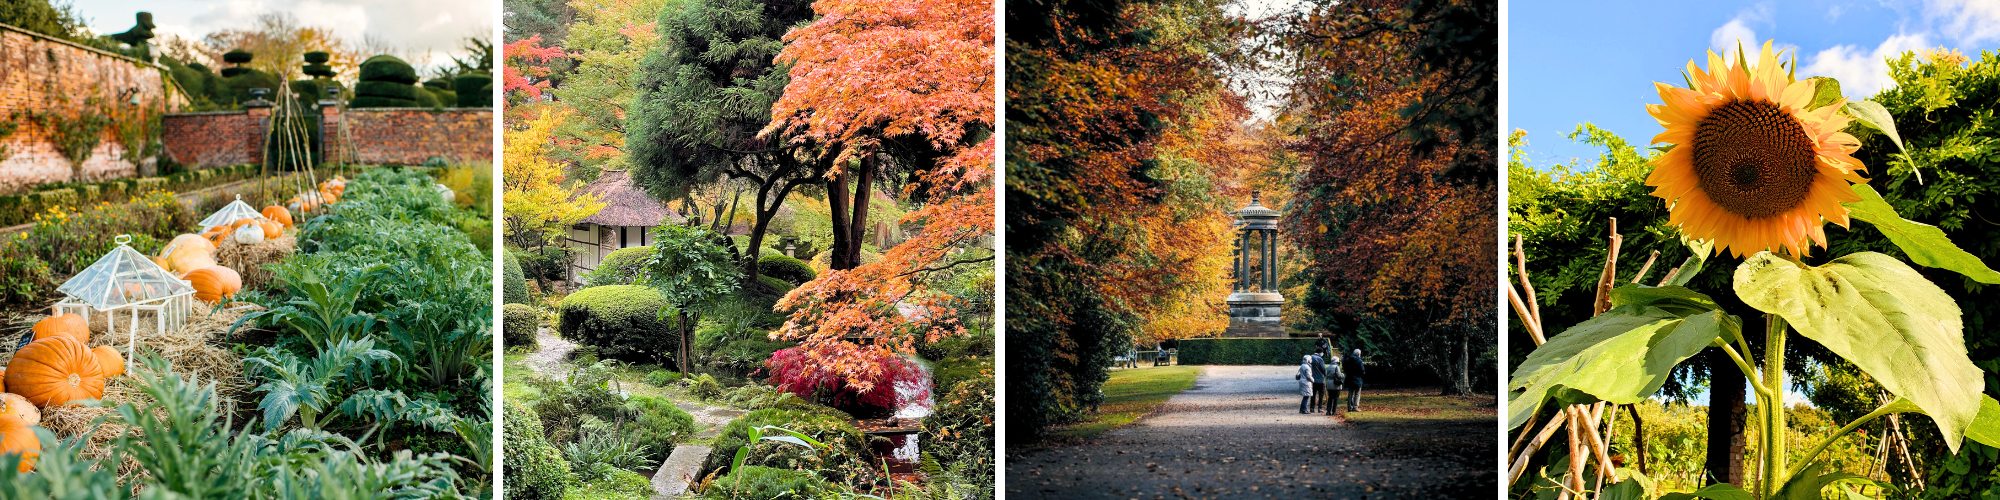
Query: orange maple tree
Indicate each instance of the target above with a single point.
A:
(910, 80)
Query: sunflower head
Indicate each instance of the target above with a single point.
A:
(1751, 167)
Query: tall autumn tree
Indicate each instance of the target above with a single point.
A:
(1396, 206)
(908, 84)
(538, 207)
(703, 94)
(1092, 89)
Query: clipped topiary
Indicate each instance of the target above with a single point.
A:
(309, 91)
(534, 469)
(845, 460)
(391, 90)
(793, 271)
(424, 97)
(318, 57)
(387, 68)
(475, 89)
(319, 70)
(237, 56)
(438, 84)
(621, 267)
(621, 321)
(514, 289)
(519, 322)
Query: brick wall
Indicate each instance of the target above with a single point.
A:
(411, 135)
(379, 136)
(43, 74)
(213, 139)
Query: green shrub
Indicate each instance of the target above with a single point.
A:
(793, 271)
(237, 56)
(740, 357)
(549, 263)
(659, 425)
(438, 84)
(566, 405)
(386, 89)
(660, 378)
(703, 386)
(766, 483)
(767, 290)
(621, 267)
(514, 289)
(621, 321)
(534, 469)
(620, 485)
(960, 428)
(519, 322)
(845, 460)
(387, 68)
(1244, 351)
(424, 98)
(475, 89)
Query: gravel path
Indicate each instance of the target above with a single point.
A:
(552, 355)
(1238, 434)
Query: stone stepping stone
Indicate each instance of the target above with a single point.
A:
(671, 481)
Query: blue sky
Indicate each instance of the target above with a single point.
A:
(1571, 62)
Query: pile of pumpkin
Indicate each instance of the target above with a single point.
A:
(56, 368)
(192, 257)
(329, 192)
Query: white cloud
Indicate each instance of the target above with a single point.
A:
(1736, 33)
(1833, 13)
(1862, 72)
(411, 26)
(1967, 22)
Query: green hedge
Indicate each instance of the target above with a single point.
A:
(534, 469)
(475, 89)
(659, 425)
(518, 325)
(622, 321)
(1244, 351)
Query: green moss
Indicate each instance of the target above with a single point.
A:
(621, 321)
(621, 485)
(519, 322)
(793, 271)
(659, 426)
(534, 469)
(765, 483)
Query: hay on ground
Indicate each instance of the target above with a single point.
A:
(249, 260)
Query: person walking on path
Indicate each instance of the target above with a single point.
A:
(1319, 383)
(1305, 382)
(1333, 378)
(1354, 369)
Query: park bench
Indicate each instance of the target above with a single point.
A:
(1128, 360)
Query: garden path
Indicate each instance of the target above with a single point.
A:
(551, 356)
(1238, 434)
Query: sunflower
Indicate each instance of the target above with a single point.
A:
(1751, 167)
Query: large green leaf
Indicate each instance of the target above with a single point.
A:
(1808, 484)
(1925, 243)
(1693, 265)
(1825, 91)
(1722, 491)
(1872, 114)
(1675, 299)
(1881, 315)
(1986, 426)
(1621, 356)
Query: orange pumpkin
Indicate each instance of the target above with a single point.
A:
(187, 243)
(55, 371)
(279, 214)
(214, 283)
(109, 361)
(190, 262)
(3, 380)
(64, 324)
(272, 229)
(18, 418)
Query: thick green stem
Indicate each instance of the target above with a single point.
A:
(1807, 459)
(1741, 364)
(1774, 411)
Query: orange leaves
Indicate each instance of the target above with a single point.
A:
(519, 71)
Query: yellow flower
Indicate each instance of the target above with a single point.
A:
(1752, 169)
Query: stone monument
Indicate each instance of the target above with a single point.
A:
(1255, 304)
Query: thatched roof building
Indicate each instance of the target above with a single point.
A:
(627, 220)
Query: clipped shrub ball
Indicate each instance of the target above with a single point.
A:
(518, 324)
(513, 288)
(793, 271)
(765, 483)
(659, 425)
(318, 57)
(844, 461)
(622, 321)
(235, 72)
(320, 70)
(621, 267)
(387, 68)
(386, 89)
(438, 84)
(237, 56)
(534, 469)
(475, 89)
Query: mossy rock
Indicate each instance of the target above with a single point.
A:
(318, 57)
(387, 68)
(381, 102)
(793, 271)
(766, 483)
(622, 321)
(534, 469)
(513, 288)
(386, 89)
(845, 460)
(519, 323)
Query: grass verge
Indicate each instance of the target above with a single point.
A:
(1419, 404)
(1130, 394)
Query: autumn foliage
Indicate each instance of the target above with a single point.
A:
(794, 370)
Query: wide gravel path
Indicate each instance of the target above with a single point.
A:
(1238, 434)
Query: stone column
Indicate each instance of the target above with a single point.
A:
(329, 131)
(260, 113)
